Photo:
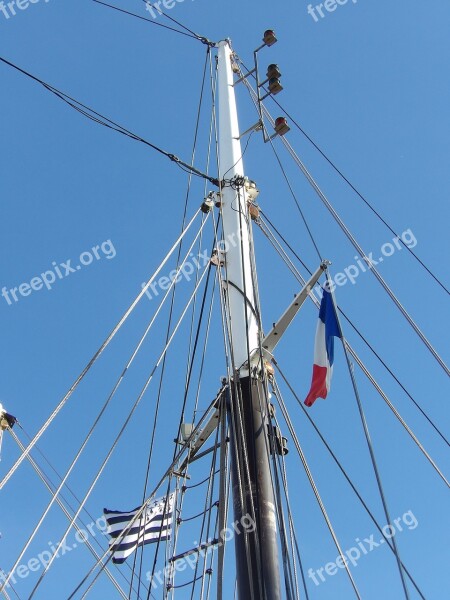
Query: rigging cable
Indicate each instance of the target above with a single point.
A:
(45, 480)
(277, 393)
(291, 189)
(353, 241)
(365, 425)
(201, 38)
(172, 304)
(380, 391)
(138, 514)
(206, 521)
(105, 122)
(97, 420)
(349, 321)
(117, 439)
(316, 492)
(349, 183)
(145, 19)
(96, 355)
(68, 488)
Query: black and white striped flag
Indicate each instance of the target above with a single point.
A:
(155, 523)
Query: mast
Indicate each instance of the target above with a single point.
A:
(257, 564)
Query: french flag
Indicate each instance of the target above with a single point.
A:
(327, 330)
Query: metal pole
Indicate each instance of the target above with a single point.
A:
(257, 563)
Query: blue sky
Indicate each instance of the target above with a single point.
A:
(369, 83)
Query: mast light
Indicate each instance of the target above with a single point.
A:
(273, 71)
(270, 38)
(275, 86)
(281, 126)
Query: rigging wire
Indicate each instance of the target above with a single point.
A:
(68, 488)
(173, 296)
(349, 183)
(105, 122)
(371, 449)
(99, 416)
(96, 356)
(145, 19)
(201, 38)
(277, 393)
(264, 407)
(348, 320)
(46, 481)
(316, 492)
(208, 506)
(118, 437)
(352, 239)
(286, 178)
(377, 387)
(292, 533)
(138, 514)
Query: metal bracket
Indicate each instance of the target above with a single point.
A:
(280, 327)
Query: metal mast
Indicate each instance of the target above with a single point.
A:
(257, 561)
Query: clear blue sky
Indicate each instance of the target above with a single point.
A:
(369, 83)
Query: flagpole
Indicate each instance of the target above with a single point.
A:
(257, 563)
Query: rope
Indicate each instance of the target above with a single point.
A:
(45, 481)
(201, 38)
(316, 493)
(349, 183)
(148, 500)
(91, 517)
(117, 439)
(95, 357)
(145, 19)
(293, 269)
(369, 444)
(89, 435)
(353, 241)
(203, 512)
(172, 303)
(341, 468)
(105, 122)
(291, 189)
(378, 388)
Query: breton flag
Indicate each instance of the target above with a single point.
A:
(327, 330)
(153, 524)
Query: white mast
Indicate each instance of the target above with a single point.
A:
(235, 216)
(257, 564)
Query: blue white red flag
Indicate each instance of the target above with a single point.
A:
(327, 330)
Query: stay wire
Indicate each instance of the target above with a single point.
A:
(316, 492)
(206, 521)
(68, 488)
(350, 184)
(62, 502)
(372, 379)
(291, 189)
(277, 393)
(105, 122)
(369, 442)
(137, 516)
(173, 296)
(207, 271)
(145, 19)
(100, 414)
(292, 532)
(354, 327)
(354, 242)
(201, 38)
(117, 439)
